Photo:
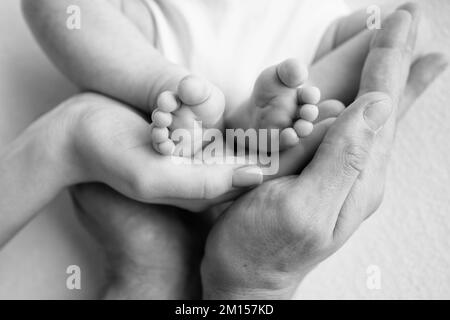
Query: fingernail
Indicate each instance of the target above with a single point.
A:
(247, 177)
(377, 114)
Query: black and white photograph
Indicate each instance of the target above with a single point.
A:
(257, 150)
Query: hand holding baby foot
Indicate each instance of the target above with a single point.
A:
(181, 115)
(288, 232)
(112, 144)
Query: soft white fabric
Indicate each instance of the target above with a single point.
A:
(231, 41)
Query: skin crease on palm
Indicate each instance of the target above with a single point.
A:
(423, 71)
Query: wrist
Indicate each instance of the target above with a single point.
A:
(32, 167)
(213, 293)
(130, 281)
(52, 138)
(222, 281)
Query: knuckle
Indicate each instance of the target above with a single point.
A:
(305, 229)
(354, 156)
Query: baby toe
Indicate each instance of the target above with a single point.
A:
(288, 138)
(166, 148)
(308, 112)
(193, 90)
(167, 102)
(160, 134)
(303, 128)
(161, 119)
(310, 95)
(292, 73)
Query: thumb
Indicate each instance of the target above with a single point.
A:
(342, 155)
(209, 181)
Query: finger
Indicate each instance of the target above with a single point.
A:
(344, 152)
(354, 23)
(422, 74)
(146, 177)
(366, 194)
(200, 205)
(388, 64)
(338, 73)
(413, 9)
(390, 54)
(209, 180)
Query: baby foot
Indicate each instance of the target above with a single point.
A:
(278, 102)
(178, 120)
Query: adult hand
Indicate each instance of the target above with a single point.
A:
(94, 202)
(338, 65)
(270, 238)
(338, 74)
(152, 252)
(111, 144)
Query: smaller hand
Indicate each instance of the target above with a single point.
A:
(112, 144)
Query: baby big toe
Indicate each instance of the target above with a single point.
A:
(193, 90)
(292, 73)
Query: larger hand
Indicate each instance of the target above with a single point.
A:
(270, 238)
